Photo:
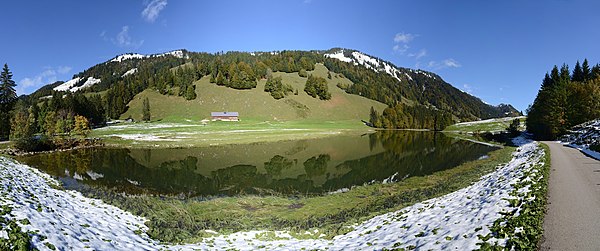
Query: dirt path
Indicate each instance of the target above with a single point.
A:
(573, 218)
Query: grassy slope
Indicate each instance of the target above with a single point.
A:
(257, 105)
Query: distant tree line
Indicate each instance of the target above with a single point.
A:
(402, 116)
(565, 100)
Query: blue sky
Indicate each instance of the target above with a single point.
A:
(496, 50)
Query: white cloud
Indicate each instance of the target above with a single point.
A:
(451, 63)
(48, 76)
(401, 41)
(400, 48)
(419, 54)
(123, 39)
(64, 69)
(153, 9)
(404, 38)
(446, 63)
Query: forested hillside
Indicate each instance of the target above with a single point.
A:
(564, 100)
(415, 98)
(402, 83)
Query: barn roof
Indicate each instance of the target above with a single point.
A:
(224, 114)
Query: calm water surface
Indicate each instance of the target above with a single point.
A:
(291, 167)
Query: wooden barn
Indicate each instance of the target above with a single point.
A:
(224, 116)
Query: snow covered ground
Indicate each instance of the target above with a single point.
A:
(126, 56)
(129, 72)
(72, 221)
(374, 64)
(70, 85)
(505, 119)
(584, 135)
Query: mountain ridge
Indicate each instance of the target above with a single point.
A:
(371, 77)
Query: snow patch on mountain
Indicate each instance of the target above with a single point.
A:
(365, 60)
(89, 82)
(177, 54)
(339, 56)
(71, 84)
(126, 56)
(67, 85)
(129, 72)
(358, 58)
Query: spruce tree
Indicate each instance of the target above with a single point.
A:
(577, 73)
(190, 92)
(585, 69)
(7, 87)
(596, 71)
(8, 96)
(146, 110)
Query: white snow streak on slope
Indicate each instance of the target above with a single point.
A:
(67, 85)
(489, 120)
(339, 56)
(120, 58)
(70, 85)
(127, 56)
(89, 82)
(455, 215)
(177, 54)
(365, 60)
(129, 72)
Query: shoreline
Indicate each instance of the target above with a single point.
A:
(376, 229)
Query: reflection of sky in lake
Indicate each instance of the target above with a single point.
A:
(289, 167)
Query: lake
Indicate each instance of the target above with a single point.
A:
(301, 167)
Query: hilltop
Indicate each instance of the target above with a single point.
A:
(183, 85)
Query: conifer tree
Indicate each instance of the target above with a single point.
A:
(596, 71)
(220, 78)
(146, 110)
(8, 97)
(7, 87)
(585, 69)
(577, 73)
(190, 92)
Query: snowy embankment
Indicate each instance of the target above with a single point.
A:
(453, 221)
(505, 119)
(583, 136)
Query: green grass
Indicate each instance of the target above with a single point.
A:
(255, 104)
(175, 220)
(263, 118)
(190, 134)
(17, 239)
(5, 145)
